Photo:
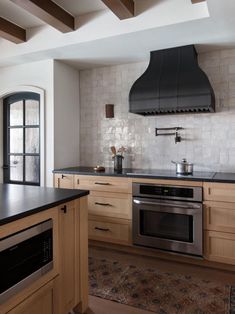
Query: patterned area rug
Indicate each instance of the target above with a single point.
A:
(157, 291)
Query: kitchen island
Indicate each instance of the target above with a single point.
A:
(44, 242)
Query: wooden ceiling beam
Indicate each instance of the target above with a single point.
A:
(49, 12)
(123, 9)
(12, 32)
(197, 1)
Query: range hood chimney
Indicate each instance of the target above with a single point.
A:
(173, 83)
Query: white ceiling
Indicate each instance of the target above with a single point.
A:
(15, 14)
(102, 39)
(80, 7)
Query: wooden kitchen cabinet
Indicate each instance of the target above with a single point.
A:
(103, 183)
(65, 286)
(219, 216)
(220, 247)
(219, 222)
(107, 204)
(19, 299)
(39, 302)
(220, 192)
(109, 230)
(67, 256)
(64, 181)
(73, 239)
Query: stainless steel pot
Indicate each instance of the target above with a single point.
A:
(183, 167)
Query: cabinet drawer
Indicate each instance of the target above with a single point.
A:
(220, 216)
(219, 192)
(117, 205)
(220, 247)
(103, 183)
(39, 302)
(63, 181)
(109, 231)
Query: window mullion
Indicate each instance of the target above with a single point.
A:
(24, 140)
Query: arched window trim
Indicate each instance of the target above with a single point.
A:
(41, 92)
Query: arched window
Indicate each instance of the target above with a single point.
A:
(21, 123)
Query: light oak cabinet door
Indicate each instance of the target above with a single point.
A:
(219, 216)
(67, 256)
(64, 181)
(73, 235)
(220, 192)
(220, 247)
(40, 302)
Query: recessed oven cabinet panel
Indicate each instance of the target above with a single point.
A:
(24, 257)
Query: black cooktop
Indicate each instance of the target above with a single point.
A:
(171, 174)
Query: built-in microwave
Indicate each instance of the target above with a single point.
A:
(24, 257)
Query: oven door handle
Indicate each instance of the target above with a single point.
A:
(166, 204)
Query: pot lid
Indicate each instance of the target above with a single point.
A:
(182, 162)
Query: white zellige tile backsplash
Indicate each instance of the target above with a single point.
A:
(208, 139)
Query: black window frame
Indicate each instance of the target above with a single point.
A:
(20, 96)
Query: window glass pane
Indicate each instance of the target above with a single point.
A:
(31, 112)
(32, 140)
(16, 113)
(16, 140)
(32, 169)
(16, 168)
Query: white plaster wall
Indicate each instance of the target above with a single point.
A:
(66, 115)
(209, 139)
(38, 74)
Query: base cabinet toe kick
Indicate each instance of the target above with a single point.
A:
(51, 248)
(112, 214)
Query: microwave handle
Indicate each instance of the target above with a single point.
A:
(166, 204)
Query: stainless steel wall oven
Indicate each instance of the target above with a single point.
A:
(168, 218)
(24, 257)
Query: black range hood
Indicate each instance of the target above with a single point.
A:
(173, 83)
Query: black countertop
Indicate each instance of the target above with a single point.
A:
(18, 201)
(224, 177)
(92, 172)
(153, 173)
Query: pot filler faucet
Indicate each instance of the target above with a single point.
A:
(178, 138)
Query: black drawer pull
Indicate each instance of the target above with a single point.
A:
(64, 209)
(102, 204)
(102, 229)
(102, 183)
(63, 176)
